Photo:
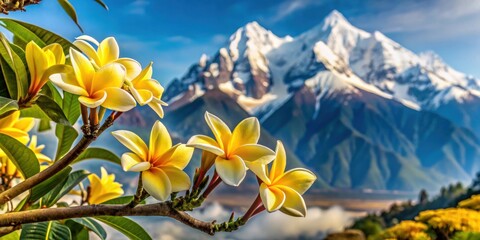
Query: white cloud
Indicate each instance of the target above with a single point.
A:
(138, 7)
(179, 39)
(289, 7)
(219, 39)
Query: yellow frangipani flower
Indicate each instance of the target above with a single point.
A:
(38, 150)
(7, 167)
(104, 188)
(39, 60)
(102, 87)
(147, 90)
(282, 190)
(107, 52)
(16, 127)
(235, 151)
(161, 164)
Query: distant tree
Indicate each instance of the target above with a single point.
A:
(423, 197)
(476, 182)
(443, 192)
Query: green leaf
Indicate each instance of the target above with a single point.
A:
(26, 32)
(71, 107)
(51, 230)
(70, 10)
(121, 200)
(46, 108)
(98, 153)
(92, 225)
(44, 125)
(79, 232)
(126, 226)
(7, 105)
(66, 136)
(15, 74)
(22, 156)
(49, 186)
(73, 180)
(51, 91)
(11, 236)
(102, 4)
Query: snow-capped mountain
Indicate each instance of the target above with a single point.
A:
(357, 107)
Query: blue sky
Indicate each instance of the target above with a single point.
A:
(173, 34)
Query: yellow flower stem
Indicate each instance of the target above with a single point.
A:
(212, 185)
(84, 111)
(93, 117)
(253, 208)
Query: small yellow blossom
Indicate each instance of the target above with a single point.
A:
(235, 151)
(38, 150)
(104, 188)
(147, 90)
(282, 190)
(472, 202)
(102, 87)
(160, 164)
(451, 220)
(406, 230)
(16, 127)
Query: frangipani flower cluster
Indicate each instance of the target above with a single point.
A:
(238, 151)
(104, 188)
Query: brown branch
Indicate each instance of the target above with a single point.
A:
(7, 6)
(15, 219)
(56, 167)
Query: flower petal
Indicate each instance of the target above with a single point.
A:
(146, 73)
(133, 142)
(25, 124)
(232, 171)
(278, 166)
(246, 132)
(20, 135)
(83, 69)
(299, 179)
(94, 100)
(294, 204)
(142, 96)
(179, 180)
(205, 143)
(132, 162)
(86, 48)
(108, 50)
(111, 75)
(132, 67)
(220, 130)
(255, 153)
(151, 85)
(118, 100)
(88, 39)
(57, 51)
(68, 83)
(160, 140)
(157, 107)
(260, 170)
(37, 62)
(179, 158)
(157, 184)
(272, 197)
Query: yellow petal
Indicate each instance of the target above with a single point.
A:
(255, 153)
(111, 75)
(132, 162)
(37, 62)
(157, 107)
(24, 124)
(157, 183)
(88, 39)
(86, 48)
(150, 85)
(246, 132)
(108, 51)
(84, 70)
(294, 204)
(146, 73)
(160, 140)
(9, 120)
(94, 100)
(232, 171)
(219, 128)
(133, 142)
(260, 170)
(68, 83)
(132, 67)
(57, 51)
(20, 135)
(179, 158)
(207, 160)
(299, 179)
(278, 166)
(118, 100)
(179, 180)
(205, 143)
(142, 96)
(272, 197)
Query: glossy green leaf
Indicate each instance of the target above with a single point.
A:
(102, 4)
(92, 225)
(98, 153)
(79, 232)
(15, 75)
(73, 180)
(44, 125)
(70, 10)
(128, 227)
(49, 186)
(46, 108)
(15, 235)
(71, 107)
(7, 105)
(22, 156)
(51, 91)
(51, 230)
(66, 136)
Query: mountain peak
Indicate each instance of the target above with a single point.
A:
(334, 18)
